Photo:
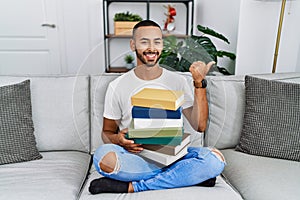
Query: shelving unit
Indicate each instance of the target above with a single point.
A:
(189, 5)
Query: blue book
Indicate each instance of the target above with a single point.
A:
(155, 113)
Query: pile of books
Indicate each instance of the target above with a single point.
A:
(157, 123)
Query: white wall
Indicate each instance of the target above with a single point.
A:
(250, 26)
(223, 17)
(82, 36)
(257, 36)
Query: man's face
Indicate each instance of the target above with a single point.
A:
(148, 45)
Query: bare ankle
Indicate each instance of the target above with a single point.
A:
(130, 188)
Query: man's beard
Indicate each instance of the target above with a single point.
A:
(144, 61)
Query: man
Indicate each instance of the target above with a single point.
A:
(125, 171)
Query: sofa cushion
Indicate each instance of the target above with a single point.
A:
(271, 121)
(226, 101)
(59, 175)
(264, 178)
(225, 95)
(60, 110)
(17, 141)
(98, 90)
(221, 191)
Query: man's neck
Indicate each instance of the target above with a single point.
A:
(148, 73)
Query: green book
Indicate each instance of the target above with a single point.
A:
(171, 136)
(155, 132)
(170, 141)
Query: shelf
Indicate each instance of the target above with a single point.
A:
(151, 1)
(109, 37)
(117, 70)
(130, 36)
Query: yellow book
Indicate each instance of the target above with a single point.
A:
(158, 98)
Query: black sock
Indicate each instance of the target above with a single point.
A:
(107, 185)
(208, 183)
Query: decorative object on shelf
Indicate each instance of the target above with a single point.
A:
(129, 61)
(278, 35)
(170, 21)
(124, 22)
(179, 55)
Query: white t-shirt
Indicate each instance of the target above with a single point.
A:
(117, 100)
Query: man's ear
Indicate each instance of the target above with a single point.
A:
(132, 45)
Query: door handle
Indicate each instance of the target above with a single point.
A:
(49, 25)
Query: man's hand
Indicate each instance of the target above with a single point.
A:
(199, 70)
(129, 145)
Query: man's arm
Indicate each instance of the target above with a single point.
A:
(197, 115)
(110, 134)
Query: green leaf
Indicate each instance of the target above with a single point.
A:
(213, 33)
(184, 65)
(169, 62)
(170, 45)
(179, 55)
(127, 16)
(227, 54)
(206, 44)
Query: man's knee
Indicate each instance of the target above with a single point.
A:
(108, 162)
(218, 153)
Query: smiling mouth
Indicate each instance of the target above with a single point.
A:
(150, 55)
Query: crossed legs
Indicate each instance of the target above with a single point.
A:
(114, 162)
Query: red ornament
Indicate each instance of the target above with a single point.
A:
(170, 21)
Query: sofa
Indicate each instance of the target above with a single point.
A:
(67, 119)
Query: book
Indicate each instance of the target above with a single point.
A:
(170, 150)
(161, 158)
(158, 98)
(171, 141)
(140, 123)
(156, 113)
(154, 132)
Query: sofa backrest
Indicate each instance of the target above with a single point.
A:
(226, 100)
(99, 84)
(60, 110)
(98, 87)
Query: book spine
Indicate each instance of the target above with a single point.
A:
(165, 149)
(140, 123)
(163, 158)
(155, 132)
(170, 150)
(171, 141)
(161, 104)
(155, 113)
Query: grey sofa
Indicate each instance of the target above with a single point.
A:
(67, 116)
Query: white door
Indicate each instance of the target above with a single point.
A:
(29, 42)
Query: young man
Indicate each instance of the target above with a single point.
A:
(125, 171)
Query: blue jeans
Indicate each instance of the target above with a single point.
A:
(195, 167)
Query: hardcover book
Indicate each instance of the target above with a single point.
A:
(158, 98)
(155, 113)
(140, 123)
(154, 132)
(170, 150)
(171, 141)
(161, 158)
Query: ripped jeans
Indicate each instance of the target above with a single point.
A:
(198, 165)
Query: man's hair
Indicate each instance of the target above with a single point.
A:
(144, 23)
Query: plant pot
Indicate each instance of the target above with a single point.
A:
(129, 65)
(124, 27)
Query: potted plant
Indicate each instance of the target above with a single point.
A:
(179, 55)
(124, 22)
(129, 61)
